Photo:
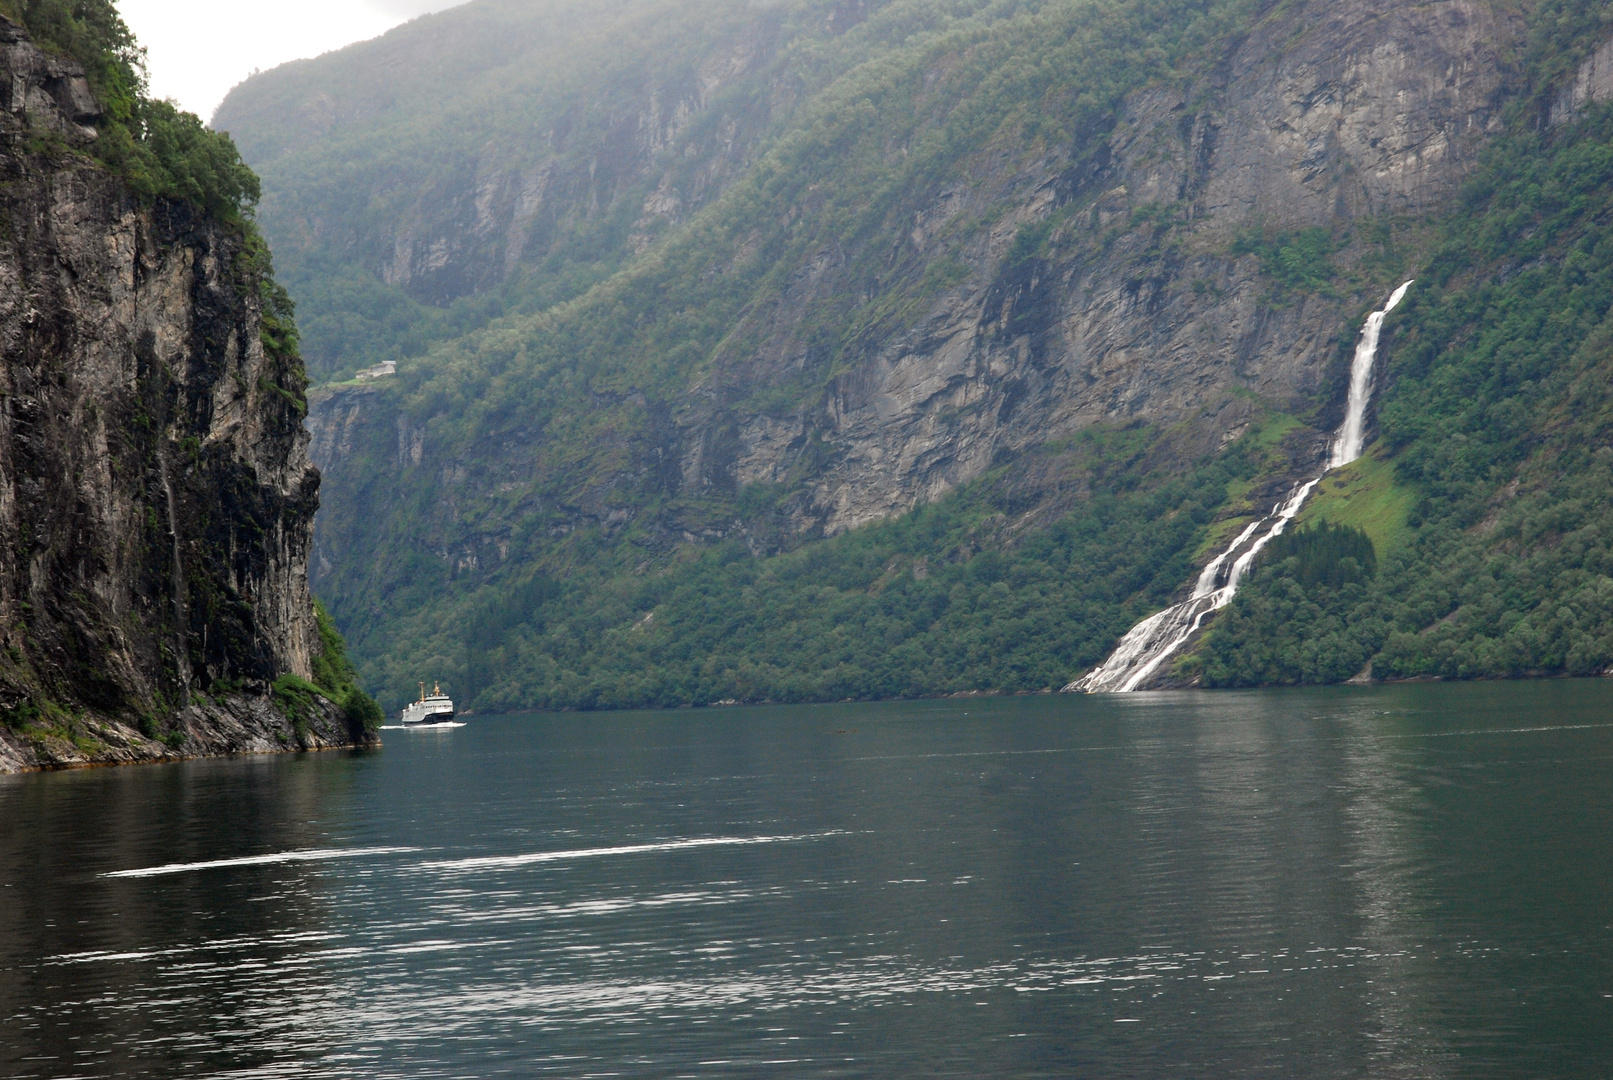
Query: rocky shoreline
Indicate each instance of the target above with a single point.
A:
(238, 724)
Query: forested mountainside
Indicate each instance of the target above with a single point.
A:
(823, 350)
(156, 497)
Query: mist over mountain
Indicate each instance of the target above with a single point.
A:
(815, 350)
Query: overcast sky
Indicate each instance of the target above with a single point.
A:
(197, 49)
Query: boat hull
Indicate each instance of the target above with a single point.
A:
(429, 720)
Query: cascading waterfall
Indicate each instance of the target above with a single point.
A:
(1148, 644)
(1347, 445)
(181, 615)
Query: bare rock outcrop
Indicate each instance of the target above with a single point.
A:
(1320, 116)
(1592, 82)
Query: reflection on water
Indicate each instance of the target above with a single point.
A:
(1357, 882)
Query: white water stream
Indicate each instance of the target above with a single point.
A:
(1148, 644)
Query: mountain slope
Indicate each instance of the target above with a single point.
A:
(947, 241)
(517, 140)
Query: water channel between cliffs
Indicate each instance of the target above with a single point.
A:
(1154, 640)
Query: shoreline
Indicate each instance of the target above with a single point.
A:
(1044, 692)
(241, 724)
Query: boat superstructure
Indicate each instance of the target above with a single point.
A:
(433, 708)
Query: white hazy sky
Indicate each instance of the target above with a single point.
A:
(197, 49)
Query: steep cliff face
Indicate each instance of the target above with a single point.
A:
(156, 498)
(1319, 117)
(1136, 305)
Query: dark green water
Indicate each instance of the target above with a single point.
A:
(1413, 881)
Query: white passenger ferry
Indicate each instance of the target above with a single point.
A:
(433, 708)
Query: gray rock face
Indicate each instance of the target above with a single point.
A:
(156, 498)
(1137, 307)
(211, 727)
(44, 91)
(1319, 116)
(1592, 82)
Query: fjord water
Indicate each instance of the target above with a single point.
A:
(1408, 880)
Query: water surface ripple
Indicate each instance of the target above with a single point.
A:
(1351, 882)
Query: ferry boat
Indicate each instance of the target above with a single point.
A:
(433, 708)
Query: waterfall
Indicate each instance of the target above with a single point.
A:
(181, 615)
(1347, 444)
(1148, 644)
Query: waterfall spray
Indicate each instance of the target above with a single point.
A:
(1148, 644)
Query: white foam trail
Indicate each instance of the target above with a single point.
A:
(1149, 643)
(308, 855)
(1499, 731)
(506, 862)
(1207, 582)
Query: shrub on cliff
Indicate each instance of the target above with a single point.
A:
(160, 150)
(166, 153)
(335, 678)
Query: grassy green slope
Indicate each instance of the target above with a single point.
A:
(1365, 495)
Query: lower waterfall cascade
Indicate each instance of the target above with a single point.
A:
(1151, 642)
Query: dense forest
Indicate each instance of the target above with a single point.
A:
(578, 569)
(943, 600)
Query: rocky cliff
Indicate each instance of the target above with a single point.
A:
(1137, 305)
(156, 498)
(1140, 306)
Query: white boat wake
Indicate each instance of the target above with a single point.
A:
(534, 858)
(305, 855)
(1151, 642)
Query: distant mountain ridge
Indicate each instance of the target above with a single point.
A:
(547, 132)
(690, 276)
